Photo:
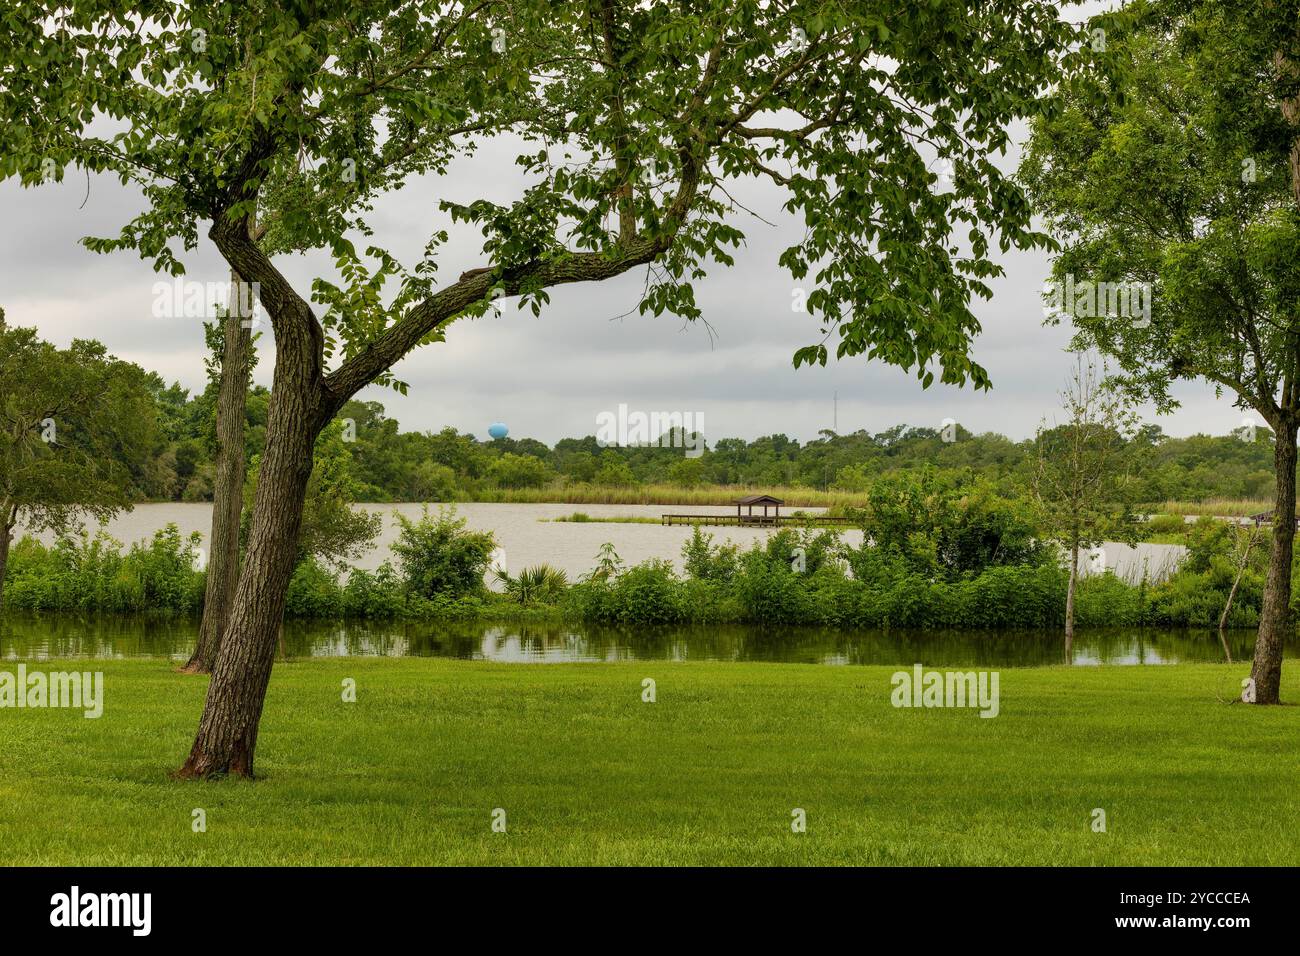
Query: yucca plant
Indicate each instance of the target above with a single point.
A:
(540, 584)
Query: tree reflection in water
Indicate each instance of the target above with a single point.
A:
(35, 636)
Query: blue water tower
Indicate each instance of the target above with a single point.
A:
(498, 430)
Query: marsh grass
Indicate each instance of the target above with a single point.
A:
(665, 494)
(581, 517)
(1224, 507)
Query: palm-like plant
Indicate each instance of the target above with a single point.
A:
(540, 584)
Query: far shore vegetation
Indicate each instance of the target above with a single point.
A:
(1226, 474)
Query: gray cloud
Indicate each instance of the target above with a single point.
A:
(549, 377)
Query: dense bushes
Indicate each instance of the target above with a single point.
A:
(790, 578)
(950, 526)
(93, 574)
(803, 578)
(808, 579)
(440, 572)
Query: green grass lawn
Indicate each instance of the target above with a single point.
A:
(589, 774)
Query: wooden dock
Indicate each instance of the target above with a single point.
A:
(772, 519)
(759, 521)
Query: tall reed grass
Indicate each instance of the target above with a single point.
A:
(666, 494)
(1219, 507)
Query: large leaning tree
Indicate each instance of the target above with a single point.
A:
(70, 420)
(1169, 167)
(631, 122)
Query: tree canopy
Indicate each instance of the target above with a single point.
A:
(1170, 162)
(631, 120)
(76, 425)
(1166, 163)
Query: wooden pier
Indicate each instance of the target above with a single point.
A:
(1266, 517)
(759, 521)
(774, 519)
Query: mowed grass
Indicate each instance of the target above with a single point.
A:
(587, 773)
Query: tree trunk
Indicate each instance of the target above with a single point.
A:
(1232, 596)
(227, 734)
(1275, 619)
(1069, 601)
(228, 491)
(7, 520)
(1236, 583)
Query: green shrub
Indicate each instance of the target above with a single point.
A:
(649, 593)
(1009, 597)
(440, 558)
(1103, 600)
(540, 584)
(591, 600)
(1188, 599)
(85, 573)
(948, 525)
(705, 561)
(373, 594)
(313, 592)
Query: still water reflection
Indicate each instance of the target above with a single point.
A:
(42, 636)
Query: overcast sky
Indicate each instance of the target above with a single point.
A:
(549, 378)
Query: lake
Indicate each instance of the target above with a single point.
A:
(37, 636)
(529, 535)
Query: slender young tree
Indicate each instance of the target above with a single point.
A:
(228, 488)
(1081, 479)
(1169, 168)
(1241, 541)
(632, 122)
(233, 370)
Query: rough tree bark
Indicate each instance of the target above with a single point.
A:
(1275, 618)
(227, 734)
(228, 490)
(8, 518)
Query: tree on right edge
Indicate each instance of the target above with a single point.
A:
(1168, 165)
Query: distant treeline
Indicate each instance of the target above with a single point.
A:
(387, 464)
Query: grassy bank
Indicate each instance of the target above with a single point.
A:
(709, 774)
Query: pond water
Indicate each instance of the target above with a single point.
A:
(30, 636)
(529, 535)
